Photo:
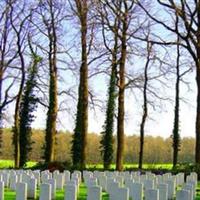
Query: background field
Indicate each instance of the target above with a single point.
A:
(63, 146)
(10, 164)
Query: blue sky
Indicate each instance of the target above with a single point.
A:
(160, 121)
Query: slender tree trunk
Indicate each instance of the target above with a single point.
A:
(53, 107)
(52, 113)
(120, 119)
(51, 118)
(4, 41)
(145, 106)
(1, 109)
(81, 127)
(17, 106)
(176, 137)
(107, 138)
(197, 149)
(84, 75)
(16, 123)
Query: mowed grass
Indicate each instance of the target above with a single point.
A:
(10, 164)
(167, 166)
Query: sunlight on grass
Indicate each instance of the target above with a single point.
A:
(133, 166)
(10, 164)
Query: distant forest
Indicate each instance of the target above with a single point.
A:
(156, 149)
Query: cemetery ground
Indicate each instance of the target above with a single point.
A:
(179, 186)
(97, 185)
(10, 195)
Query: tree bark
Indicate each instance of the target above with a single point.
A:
(176, 137)
(197, 149)
(84, 84)
(53, 107)
(120, 118)
(145, 106)
(17, 105)
(81, 127)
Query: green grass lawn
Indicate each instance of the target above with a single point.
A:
(167, 166)
(10, 164)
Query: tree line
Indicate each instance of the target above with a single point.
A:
(132, 146)
(140, 46)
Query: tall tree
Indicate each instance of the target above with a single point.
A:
(49, 13)
(107, 139)
(107, 134)
(79, 140)
(188, 23)
(8, 55)
(120, 11)
(27, 106)
(176, 135)
(20, 28)
(145, 103)
(124, 9)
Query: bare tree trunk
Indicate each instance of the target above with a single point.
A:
(197, 149)
(18, 101)
(84, 74)
(1, 109)
(176, 137)
(145, 106)
(120, 119)
(53, 107)
(16, 115)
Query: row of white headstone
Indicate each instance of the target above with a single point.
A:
(125, 185)
(119, 185)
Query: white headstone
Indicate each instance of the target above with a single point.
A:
(32, 187)
(1, 190)
(112, 190)
(13, 182)
(45, 191)
(122, 194)
(21, 191)
(136, 190)
(190, 188)
(45, 177)
(163, 191)
(171, 188)
(148, 184)
(66, 176)
(103, 182)
(59, 181)
(6, 179)
(151, 194)
(52, 182)
(120, 180)
(91, 182)
(94, 192)
(70, 192)
(183, 195)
